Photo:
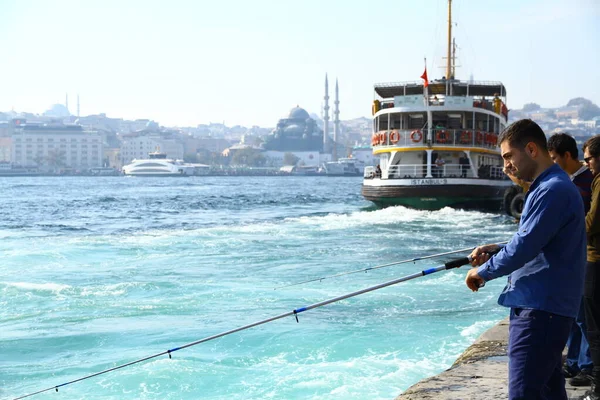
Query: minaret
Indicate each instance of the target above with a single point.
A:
(67, 102)
(336, 120)
(77, 105)
(326, 118)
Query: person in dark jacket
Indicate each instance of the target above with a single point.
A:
(545, 261)
(563, 151)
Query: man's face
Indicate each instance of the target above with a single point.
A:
(518, 162)
(592, 162)
(558, 159)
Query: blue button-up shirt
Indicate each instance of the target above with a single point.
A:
(546, 257)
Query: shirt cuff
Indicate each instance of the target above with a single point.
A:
(484, 272)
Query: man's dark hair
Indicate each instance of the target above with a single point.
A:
(561, 143)
(593, 146)
(519, 133)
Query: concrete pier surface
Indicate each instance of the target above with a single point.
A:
(480, 373)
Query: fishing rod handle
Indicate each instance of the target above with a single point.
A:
(459, 262)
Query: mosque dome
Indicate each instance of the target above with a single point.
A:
(57, 110)
(151, 125)
(298, 113)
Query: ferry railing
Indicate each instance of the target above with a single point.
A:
(491, 172)
(437, 137)
(452, 171)
(406, 171)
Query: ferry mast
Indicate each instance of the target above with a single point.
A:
(449, 55)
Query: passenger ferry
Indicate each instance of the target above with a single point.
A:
(157, 164)
(437, 143)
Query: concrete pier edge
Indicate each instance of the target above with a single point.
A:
(481, 372)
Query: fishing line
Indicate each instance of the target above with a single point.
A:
(449, 265)
(380, 266)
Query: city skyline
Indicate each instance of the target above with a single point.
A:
(186, 63)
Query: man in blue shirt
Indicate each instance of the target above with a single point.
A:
(545, 262)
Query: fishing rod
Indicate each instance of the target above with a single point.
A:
(456, 263)
(380, 266)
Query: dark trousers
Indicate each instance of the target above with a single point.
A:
(591, 301)
(535, 344)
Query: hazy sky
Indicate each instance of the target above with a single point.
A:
(249, 61)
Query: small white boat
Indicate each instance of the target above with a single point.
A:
(157, 164)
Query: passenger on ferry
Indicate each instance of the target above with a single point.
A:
(591, 292)
(378, 171)
(497, 104)
(464, 164)
(545, 260)
(563, 151)
(436, 101)
(439, 164)
(483, 103)
(483, 171)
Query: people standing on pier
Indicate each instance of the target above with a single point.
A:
(591, 291)
(545, 262)
(563, 151)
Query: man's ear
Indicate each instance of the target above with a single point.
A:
(531, 149)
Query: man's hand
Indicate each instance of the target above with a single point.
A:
(481, 254)
(473, 280)
(517, 181)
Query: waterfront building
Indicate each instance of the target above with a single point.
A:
(193, 145)
(139, 145)
(100, 122)
(5, 149)
(56, 147)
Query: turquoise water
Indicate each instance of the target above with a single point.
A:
(96, 272)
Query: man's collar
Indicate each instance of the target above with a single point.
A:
(579, 171)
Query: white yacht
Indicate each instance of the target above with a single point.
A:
(157, 164)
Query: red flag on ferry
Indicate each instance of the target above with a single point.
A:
(424, 77)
